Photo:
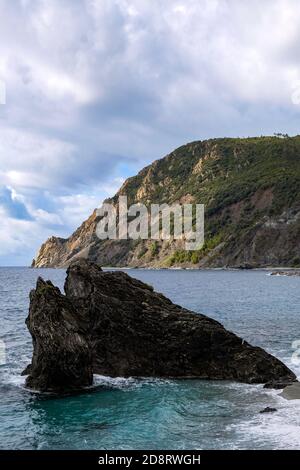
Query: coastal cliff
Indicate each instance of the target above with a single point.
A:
(251, 191)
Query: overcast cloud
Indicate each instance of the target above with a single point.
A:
(97, 89)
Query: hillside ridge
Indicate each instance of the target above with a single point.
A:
(251, 191)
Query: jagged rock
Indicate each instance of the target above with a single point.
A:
(61, 354)
(112, 324)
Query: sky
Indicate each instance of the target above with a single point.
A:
(93, 90)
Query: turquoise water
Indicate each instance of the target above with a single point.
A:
(158, 414)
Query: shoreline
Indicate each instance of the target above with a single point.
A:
(175, 268)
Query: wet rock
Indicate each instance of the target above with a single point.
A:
(111, 324)
(279, 384)
(27, 370)
(268, 409)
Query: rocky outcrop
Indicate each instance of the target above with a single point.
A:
(112, 324)
(58, 252)
(62, 357)
(286, 273)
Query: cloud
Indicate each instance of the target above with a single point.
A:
(19, 239)
(96, 89)
(13, 206)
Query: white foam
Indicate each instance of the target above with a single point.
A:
(125, 382)
(278, 430)
(14, 379)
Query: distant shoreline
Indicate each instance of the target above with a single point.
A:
(176, 268)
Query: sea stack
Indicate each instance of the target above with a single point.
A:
(112, 324)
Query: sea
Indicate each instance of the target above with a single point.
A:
(129, 413)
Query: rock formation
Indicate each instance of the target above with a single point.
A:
(286, 273)
(62, 358)
(268, 409)
(112, 324)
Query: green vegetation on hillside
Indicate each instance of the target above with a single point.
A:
(238, 180)
(251, 191)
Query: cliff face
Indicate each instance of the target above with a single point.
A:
(251, 191)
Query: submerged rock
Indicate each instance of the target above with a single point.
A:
(111, 324)
(268, 409)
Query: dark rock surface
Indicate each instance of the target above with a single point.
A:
(111, 324)
(279, 384)
(268, 409)
(61, 354)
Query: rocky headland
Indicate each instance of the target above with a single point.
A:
(111, 324)
(251, 192)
